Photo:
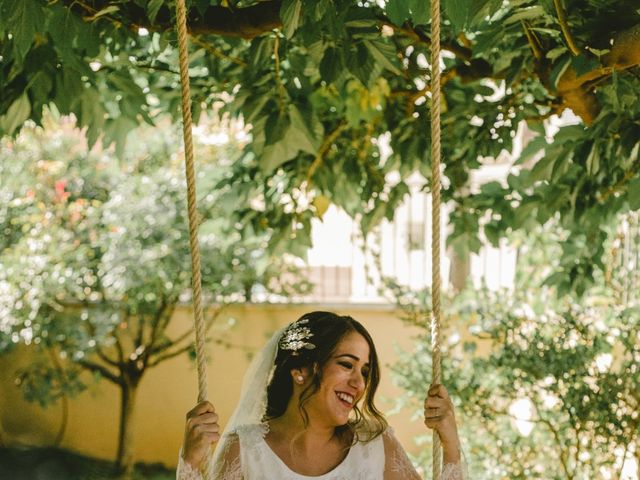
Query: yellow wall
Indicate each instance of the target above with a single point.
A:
(168, 391)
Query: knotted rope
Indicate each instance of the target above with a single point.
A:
(435, 217)
(196, 279)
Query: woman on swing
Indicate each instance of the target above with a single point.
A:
(307, 412)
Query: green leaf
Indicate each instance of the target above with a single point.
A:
(153, 7)
(531, 149)
(527, 13)
(584, 63)
(203, 5)
(290, 15)
(308, 129)
(105, 11)
(276, 127)
(493, 233)
(4, 13)
(275, 155)
(633, 194)
(332, 65)
(559, 68)
(457, 11)
(382, 53)
(493, 188)
(420, 12)
(543, 168)
(261, 51)
(91, 113)
(16, 115)
(593, 160)
(397, 11)
(117, 131)
(26, 19)
(68, 89)
(556, 52)
(373, 218)
(62, 26)
(40, 85)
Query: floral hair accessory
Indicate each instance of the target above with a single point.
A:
(296, 336)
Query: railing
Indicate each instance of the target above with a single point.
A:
(344, 271)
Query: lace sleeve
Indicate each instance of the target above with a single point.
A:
(397, 465)
(227, 465)
(227, 468)
(185, 471)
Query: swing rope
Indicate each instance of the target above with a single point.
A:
(196, 278)
(435, 218)
(435, 208)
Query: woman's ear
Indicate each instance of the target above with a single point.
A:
(298, 376)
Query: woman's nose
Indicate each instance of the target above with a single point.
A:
(357, 380)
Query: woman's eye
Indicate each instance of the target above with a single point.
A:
(346, 365)
(365, 373)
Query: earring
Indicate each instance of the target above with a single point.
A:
(299, 379)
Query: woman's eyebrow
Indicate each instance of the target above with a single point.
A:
(350, 356)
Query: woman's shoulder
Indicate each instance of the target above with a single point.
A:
(250, 434)
(250, 428)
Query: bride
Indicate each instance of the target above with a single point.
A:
(307, 412)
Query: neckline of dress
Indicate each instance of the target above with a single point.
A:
(324, 476)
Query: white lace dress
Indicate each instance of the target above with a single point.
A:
(248, 457)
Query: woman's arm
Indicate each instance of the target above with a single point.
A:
(397, 465)
(439, 415)
(227, 467)
(196, 455)
(201, 430)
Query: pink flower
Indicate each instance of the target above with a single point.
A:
(61, 194)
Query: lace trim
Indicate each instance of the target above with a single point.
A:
(229, 470)
(398, 466)
(453, 471)
(185, 471)
(228, 465)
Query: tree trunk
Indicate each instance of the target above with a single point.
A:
(124, 458)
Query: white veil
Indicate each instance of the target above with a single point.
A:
(253, 399)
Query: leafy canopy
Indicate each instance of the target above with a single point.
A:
(321, 82)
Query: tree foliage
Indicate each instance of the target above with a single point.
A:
(321, 82)
(95, 259)
(546, 388)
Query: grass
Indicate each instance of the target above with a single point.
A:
(56, 464)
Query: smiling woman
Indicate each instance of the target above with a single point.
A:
(307, 411)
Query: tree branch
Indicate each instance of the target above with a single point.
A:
(247, 22)
(564, 26)
(533, 40)
(216, 52)
(97, 368)
(103, 356)
(185, 348)
(417, 36)
(324, 148)
(161, 324)
(167, 356)
(279, 85)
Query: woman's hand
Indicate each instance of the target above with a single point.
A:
(200, 431)
(439, 415)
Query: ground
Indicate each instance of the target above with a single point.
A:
(55, 464)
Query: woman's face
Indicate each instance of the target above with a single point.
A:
(344, 378)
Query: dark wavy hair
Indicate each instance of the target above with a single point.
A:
(328, 330)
